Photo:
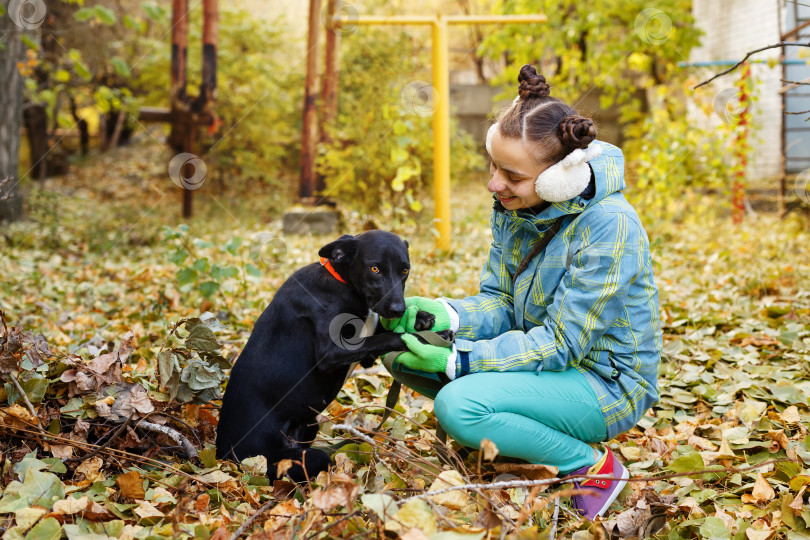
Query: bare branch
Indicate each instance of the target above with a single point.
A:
(749, 55)
(173, 434)
(531, 483)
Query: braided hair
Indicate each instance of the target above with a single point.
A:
(552, 128)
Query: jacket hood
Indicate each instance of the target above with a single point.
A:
(607, 178)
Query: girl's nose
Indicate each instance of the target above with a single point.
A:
(495, 184)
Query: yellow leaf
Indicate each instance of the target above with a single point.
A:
(791, 415)
(91, 469)
(415, 513)
(131, 485)
(455, 499)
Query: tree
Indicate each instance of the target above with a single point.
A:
(12, 51)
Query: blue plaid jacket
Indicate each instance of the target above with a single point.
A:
(588, 302)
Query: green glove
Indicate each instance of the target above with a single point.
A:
(423, 356)
(407, 321)
(403, 323)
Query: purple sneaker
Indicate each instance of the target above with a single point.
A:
(598, 494)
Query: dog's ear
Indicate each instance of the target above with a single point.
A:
(407, 245)
(341, 250)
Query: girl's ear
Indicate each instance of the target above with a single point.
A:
(341, 250)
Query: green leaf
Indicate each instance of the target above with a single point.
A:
(252, 270)
(207, 288)
(201, 338)
(85, 14)
(379, 503)
(208, 456)
(221, 272)
(29, 42)
(120, 66)
(179, 256)
(168, 365)
(689, 462)
(61, 75)
(47, 529)
(105, 15)
(186, 275)
(713, 528)
(153, 11)
(233, 244)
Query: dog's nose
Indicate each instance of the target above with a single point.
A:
(397, 310)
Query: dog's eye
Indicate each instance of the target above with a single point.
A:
(405, 272)
(375, 269)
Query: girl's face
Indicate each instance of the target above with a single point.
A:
(514, 172)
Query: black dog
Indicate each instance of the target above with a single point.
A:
(303, 345)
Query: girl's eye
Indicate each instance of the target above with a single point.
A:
(405, 272)
(375, 269)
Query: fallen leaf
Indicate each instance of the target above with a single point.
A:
(147, 512)
(798, 501)
(61, 451)
(255, 466)
(222, 480)
(791, 415)
(282, 513)
(131, 485)
(282, 467)
(762, 492)
(201, 504)
(91, 469)
(414, 534)
(455, 499)
(70, 505)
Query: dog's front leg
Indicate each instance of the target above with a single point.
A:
(340, 355)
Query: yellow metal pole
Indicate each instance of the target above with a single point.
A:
(441, 134)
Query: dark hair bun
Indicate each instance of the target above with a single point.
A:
(576, 132)
(531, 84)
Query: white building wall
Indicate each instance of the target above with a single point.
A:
(731, 29)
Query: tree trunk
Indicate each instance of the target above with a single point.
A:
(11, 97)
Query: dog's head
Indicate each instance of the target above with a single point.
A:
(376, 265)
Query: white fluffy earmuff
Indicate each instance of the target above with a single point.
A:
(567, 178)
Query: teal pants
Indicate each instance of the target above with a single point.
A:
(547, 417)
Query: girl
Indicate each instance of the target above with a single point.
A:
(561, 347)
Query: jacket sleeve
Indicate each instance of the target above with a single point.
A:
(606, 259)
(491, 312)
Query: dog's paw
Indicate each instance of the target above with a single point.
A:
(447, 335)
(423, 321)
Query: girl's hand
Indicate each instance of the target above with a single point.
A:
(423, 356)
